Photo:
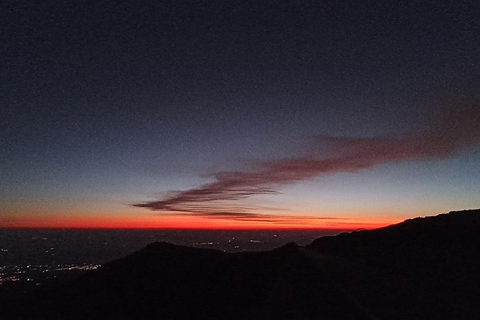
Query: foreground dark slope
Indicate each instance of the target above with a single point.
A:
(164, 281)
(424, 268)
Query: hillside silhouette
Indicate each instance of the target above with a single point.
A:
(165, 281)
(424, 268)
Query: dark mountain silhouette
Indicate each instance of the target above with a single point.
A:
(164, 281)
(425, 268)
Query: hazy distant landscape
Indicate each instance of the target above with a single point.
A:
(35, 254)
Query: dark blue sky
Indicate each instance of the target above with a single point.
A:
(106, 104)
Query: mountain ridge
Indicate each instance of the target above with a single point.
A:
(422, 268)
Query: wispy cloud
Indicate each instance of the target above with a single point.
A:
(444, 138)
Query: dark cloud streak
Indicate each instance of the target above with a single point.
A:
(450, 134)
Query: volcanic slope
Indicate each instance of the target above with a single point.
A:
(423, 268)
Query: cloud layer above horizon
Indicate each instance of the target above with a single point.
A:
(444, 138)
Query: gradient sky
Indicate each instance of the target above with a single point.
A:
(237, 114)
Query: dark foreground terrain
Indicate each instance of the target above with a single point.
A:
(425, 268)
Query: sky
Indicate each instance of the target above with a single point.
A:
(237, 114)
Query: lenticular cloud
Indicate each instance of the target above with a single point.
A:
(445, 138)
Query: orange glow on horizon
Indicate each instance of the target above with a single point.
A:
(198, 222)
